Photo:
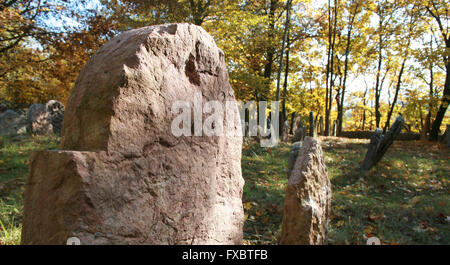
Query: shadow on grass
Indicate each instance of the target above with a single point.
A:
(402, 200)
(264, 171)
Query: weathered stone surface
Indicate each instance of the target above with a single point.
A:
(12, 123)
(380, 143)
(38, 120)
(285, 132)
(307, 204)
(55, 110)
(335, 128)
(293, 154)
(295, 122)
(122, 177)
(312, 125)
(300, 134)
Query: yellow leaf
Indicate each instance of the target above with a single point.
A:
(247, 205)
(368, 231)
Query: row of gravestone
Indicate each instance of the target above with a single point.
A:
(122, 177)
(38, 119)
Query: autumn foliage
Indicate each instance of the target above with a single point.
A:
(359, 62)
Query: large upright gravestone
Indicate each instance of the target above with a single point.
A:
(121, 176)
(307, 205)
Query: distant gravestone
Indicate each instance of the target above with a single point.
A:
(300, 133)
(55, 110)
(121, 176)
(335, 127)
(38, 120)
(312, 125)
(293, 153)
(285, 133)
(12, 123)
(295, 122)
(307, 203)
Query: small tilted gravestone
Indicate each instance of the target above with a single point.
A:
(307, 204)
(121, 176)
(380, 143)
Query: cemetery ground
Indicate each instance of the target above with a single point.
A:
(403, 200)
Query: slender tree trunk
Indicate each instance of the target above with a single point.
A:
(377, 90)
(347, 52)
(286, 75)
(283, 44)
(270, 53)
(331, 73)
(377, 84)
(397, 89)
(327, 121)
(280, 68)
(445, 101)
(426, 129)
(364, 106)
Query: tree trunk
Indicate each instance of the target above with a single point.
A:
(364, 110)
(347, 52)
(377, 84)
(397, 89)
(330, 96)
(327, 88)
(270, 53)
(445, 101)
(286, 75)
(280, 68)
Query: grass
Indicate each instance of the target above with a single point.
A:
(14, 160)
(403, 200)
(265, 174)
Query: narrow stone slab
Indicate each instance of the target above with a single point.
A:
(307, 204)
(380, 143)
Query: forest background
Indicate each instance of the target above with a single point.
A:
(357, 62)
